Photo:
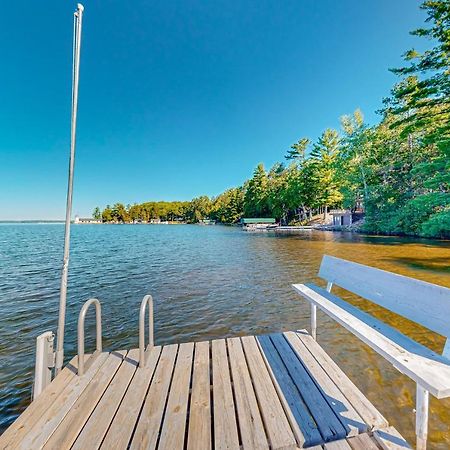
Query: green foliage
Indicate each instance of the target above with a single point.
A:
(198, 209)
(422, 100)
(97, 214)
(298, 150)
(107, 214)
(145, 212)
(354, 159)
(228, 206)
(417, 212)
(324, 159)
(256, 194)
(437, 225)
(419, 109)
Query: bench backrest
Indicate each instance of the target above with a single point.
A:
(419, 301)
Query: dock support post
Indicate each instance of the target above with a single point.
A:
(422, 402)
(147, 299)
(44, 362)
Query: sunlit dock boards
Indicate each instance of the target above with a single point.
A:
(279, 391)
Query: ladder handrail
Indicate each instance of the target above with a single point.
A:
(81, 318)
(148, 299)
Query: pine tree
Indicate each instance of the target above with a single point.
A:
(298, 150)
(324, 159)
(353, 159)
(422, 99)
(96, 214)
(255, 199)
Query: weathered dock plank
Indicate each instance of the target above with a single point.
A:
(337, 445)
(121, 429)
(173, 430)
(249, 416)
(24, 423)
(225, 424)
(51, 418)
(276, 423)
(329, 425)
(199, 435)
(363, 442)
(367, 441)
(308, 433)
(69, 428)
(150, 420)
(359, 401)
(390, 439)
(95, 429)
(277, 392)
(342, 408)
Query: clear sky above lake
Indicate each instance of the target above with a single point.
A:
(181, 98)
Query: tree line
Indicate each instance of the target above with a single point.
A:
(398, 169)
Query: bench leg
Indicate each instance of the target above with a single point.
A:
(313, 321)
(314, 314)
(422, 401)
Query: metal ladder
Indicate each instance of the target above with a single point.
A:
(45, 355)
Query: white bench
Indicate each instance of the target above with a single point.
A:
(424, 303)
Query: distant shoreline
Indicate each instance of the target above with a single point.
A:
(280, 230)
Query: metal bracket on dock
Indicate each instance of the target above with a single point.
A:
(98, 319)
(45, 361)
(147, 299)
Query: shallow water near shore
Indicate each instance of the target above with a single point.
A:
(207, 282)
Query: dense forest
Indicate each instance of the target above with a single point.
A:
(399, 169)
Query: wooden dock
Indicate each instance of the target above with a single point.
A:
(279, 391)
(293, 229)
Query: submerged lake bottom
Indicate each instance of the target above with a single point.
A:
(207, 282)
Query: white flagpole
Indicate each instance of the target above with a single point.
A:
(78, 18)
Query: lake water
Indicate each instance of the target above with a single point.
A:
(207, 282)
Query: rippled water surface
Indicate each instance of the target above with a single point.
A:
(207, 282)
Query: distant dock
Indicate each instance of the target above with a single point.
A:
(293, 229)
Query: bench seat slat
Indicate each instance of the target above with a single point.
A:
(430, 370)
(417, 300)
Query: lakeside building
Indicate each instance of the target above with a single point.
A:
(207, 222)
(258, 223)
(346, 217)
(341, 217)
(85, 220)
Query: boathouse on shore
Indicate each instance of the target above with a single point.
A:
(341, 217)
(257, 223)
(207, 222)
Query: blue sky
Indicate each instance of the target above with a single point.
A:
(181, 98)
